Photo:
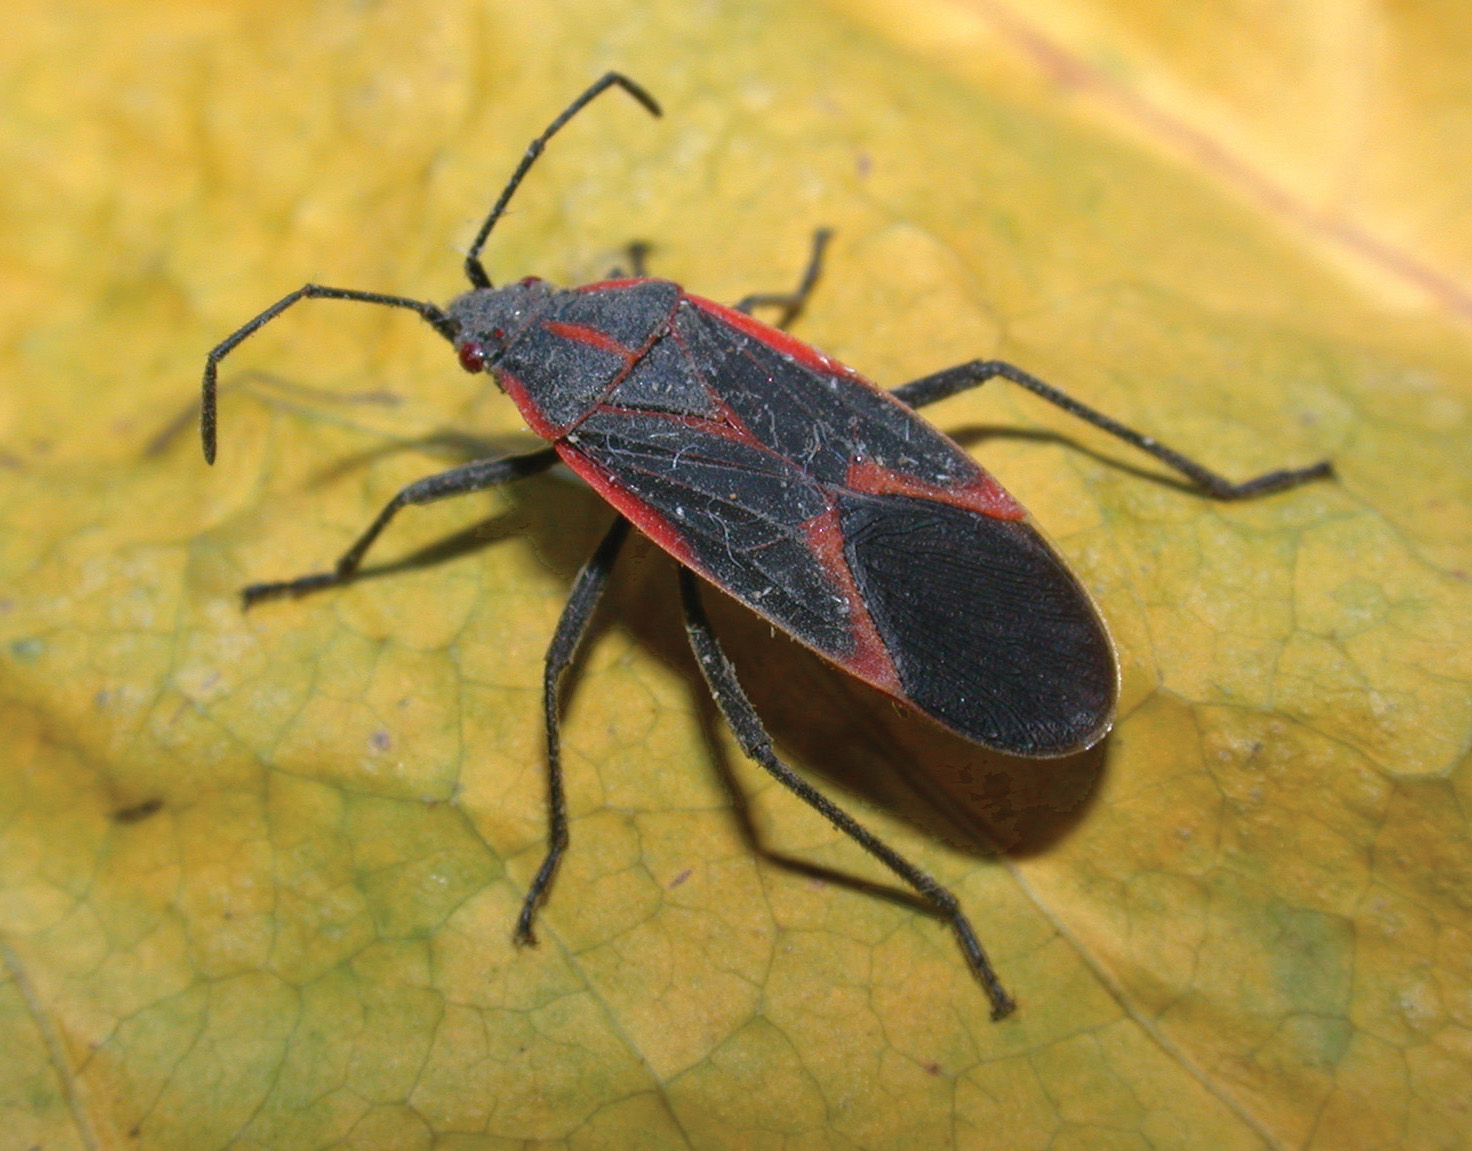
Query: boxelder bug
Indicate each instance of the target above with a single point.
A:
(788, 480)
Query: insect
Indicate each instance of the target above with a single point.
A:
(817, 499)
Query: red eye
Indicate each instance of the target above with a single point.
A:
(472, 357)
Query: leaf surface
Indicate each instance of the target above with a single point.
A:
(258, 871)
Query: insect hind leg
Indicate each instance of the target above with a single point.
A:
(792, 303)
(720, 676)
(638, 254)
(963, 377)
(639, 257)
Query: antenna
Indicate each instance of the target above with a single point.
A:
(473, 268)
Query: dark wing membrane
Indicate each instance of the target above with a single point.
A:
(990, 632)
(737, 508)
(664, 381)
(822, 421)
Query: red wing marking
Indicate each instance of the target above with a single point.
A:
(776, 338)
(623, 282)
(870, 660)
(636, 511)
(983, 495)
(727, 415)
(532, 414)
(727, 425)
(592, 337)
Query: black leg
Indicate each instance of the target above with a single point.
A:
(639, 257)
(638, 253)
(427, 311)
(792, 303)
(570, 631)
(456, 482)
(929, 389)
(747, 726)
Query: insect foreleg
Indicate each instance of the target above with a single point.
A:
(460, 481)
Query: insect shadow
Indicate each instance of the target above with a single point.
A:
(831, 724)
(275, 392)
(972, 435)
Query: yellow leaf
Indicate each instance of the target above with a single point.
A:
(258, 872)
